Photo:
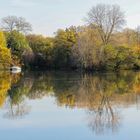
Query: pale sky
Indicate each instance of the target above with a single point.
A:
(47, 16)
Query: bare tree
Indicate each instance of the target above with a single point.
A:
(106, 18)
(11, 23)
(86, 51)
(138, 35)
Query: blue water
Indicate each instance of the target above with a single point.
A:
(72, 108)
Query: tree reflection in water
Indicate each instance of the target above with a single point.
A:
(17, 111)
(105, 117)
(101, 95)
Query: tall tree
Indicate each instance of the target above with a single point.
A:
(106, 18)
(11, 23)
(86, 51)
(63, 42)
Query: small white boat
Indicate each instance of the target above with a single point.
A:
(15, 69)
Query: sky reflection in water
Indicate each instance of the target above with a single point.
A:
(70, 106)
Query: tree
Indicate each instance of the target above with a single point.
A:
(86, 51)
(19, 46)
(138, 36)
(41, 47)
(63, 42)
(121, 57)
(5, 54)
(106, 18)
(39, 43)
(11, 23)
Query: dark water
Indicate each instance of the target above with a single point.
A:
(70, 106)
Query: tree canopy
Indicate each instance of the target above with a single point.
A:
(102, 44)
(106, 18)
(13, 23)
(5, 53)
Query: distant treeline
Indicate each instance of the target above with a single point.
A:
(101, 44)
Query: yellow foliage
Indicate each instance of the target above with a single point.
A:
(2, 40)
(5, 85)
(5, 54)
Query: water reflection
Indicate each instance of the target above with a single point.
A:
(103, 96)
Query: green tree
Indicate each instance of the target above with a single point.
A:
(120, 57)
(19, 46)
(62, 51)
(41, 47)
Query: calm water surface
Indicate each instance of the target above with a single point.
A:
(70, 106)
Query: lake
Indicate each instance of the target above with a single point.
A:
(70, 106)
